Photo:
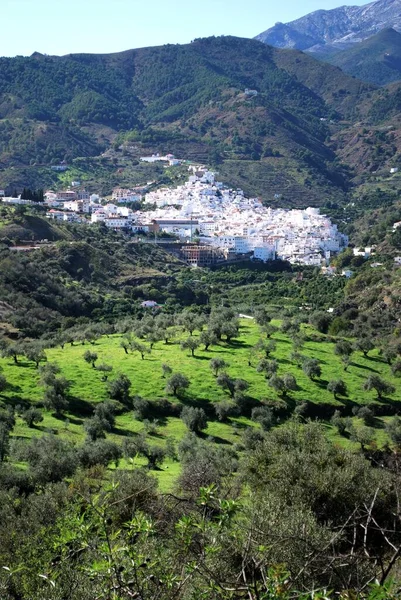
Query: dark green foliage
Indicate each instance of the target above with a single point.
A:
(3, 383)
(340, 422)
(94, 428)
(90, 357)
(50, 459)
(382, 387)
(177, 384)
(194, 418)
(190, 344)
(217, 364)
(56, 389)
(32, 416)
(367, 415)
(393, 429)
(311, 368)
(365, 345)
(321, 321)
(142, 408)
(396, 368)
(224, 410)
(99, 452)
(337, 387)
(264, 416)
(119, 389)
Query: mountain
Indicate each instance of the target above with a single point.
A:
(377, 59)
(330, 31)
(186, 99)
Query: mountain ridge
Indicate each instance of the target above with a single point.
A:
(330, 31)
(188, 99)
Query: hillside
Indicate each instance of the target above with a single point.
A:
(81, 274)
(376, 60)
(188, 100)
(330, 31)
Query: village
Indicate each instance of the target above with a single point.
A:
(211, 222)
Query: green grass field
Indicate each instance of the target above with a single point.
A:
(147, 381)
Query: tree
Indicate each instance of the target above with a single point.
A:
(105, 369)
(261, 316)
(267, 347)
(375, 382)
(155, 456)
(367, 415)
(177, 384)
(320, 321)
(389, 354)
(269, 330)
(283, 385)
(166, 369)
(343, 348)
(338, 421)
(105, 412)
(337, 387)
(269, 367)
(90, 358)
(32, 416)
(56, 394)
(290, 327)
(363, 435)
(393, 429)
(51, 459)
(230, 330)
(190, 321)
(365, 345)
(4, 441)
(190, 344)
(297, 358)
(35, 353)
(142, 408)
(311, 368)
(125, 343)
(231, 385)
(3, 383)
(119, 389)
(194, 418)
(141, 348)
(264, 416)
(94, 428)
(217, 364)
(100, 452)
(395, 369)
(207, 338)
(10, 351)
(224, 410)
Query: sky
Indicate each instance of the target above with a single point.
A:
(102, 26)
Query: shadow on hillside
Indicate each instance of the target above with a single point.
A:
(364, 367)
(80, 407)
(215, 438)
(376, 359)
(122, 431)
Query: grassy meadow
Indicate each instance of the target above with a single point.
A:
(148, 382)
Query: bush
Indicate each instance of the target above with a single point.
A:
(99, 452)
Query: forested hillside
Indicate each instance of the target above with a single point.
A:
(189, 100)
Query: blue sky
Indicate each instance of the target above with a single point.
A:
(56, 27)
